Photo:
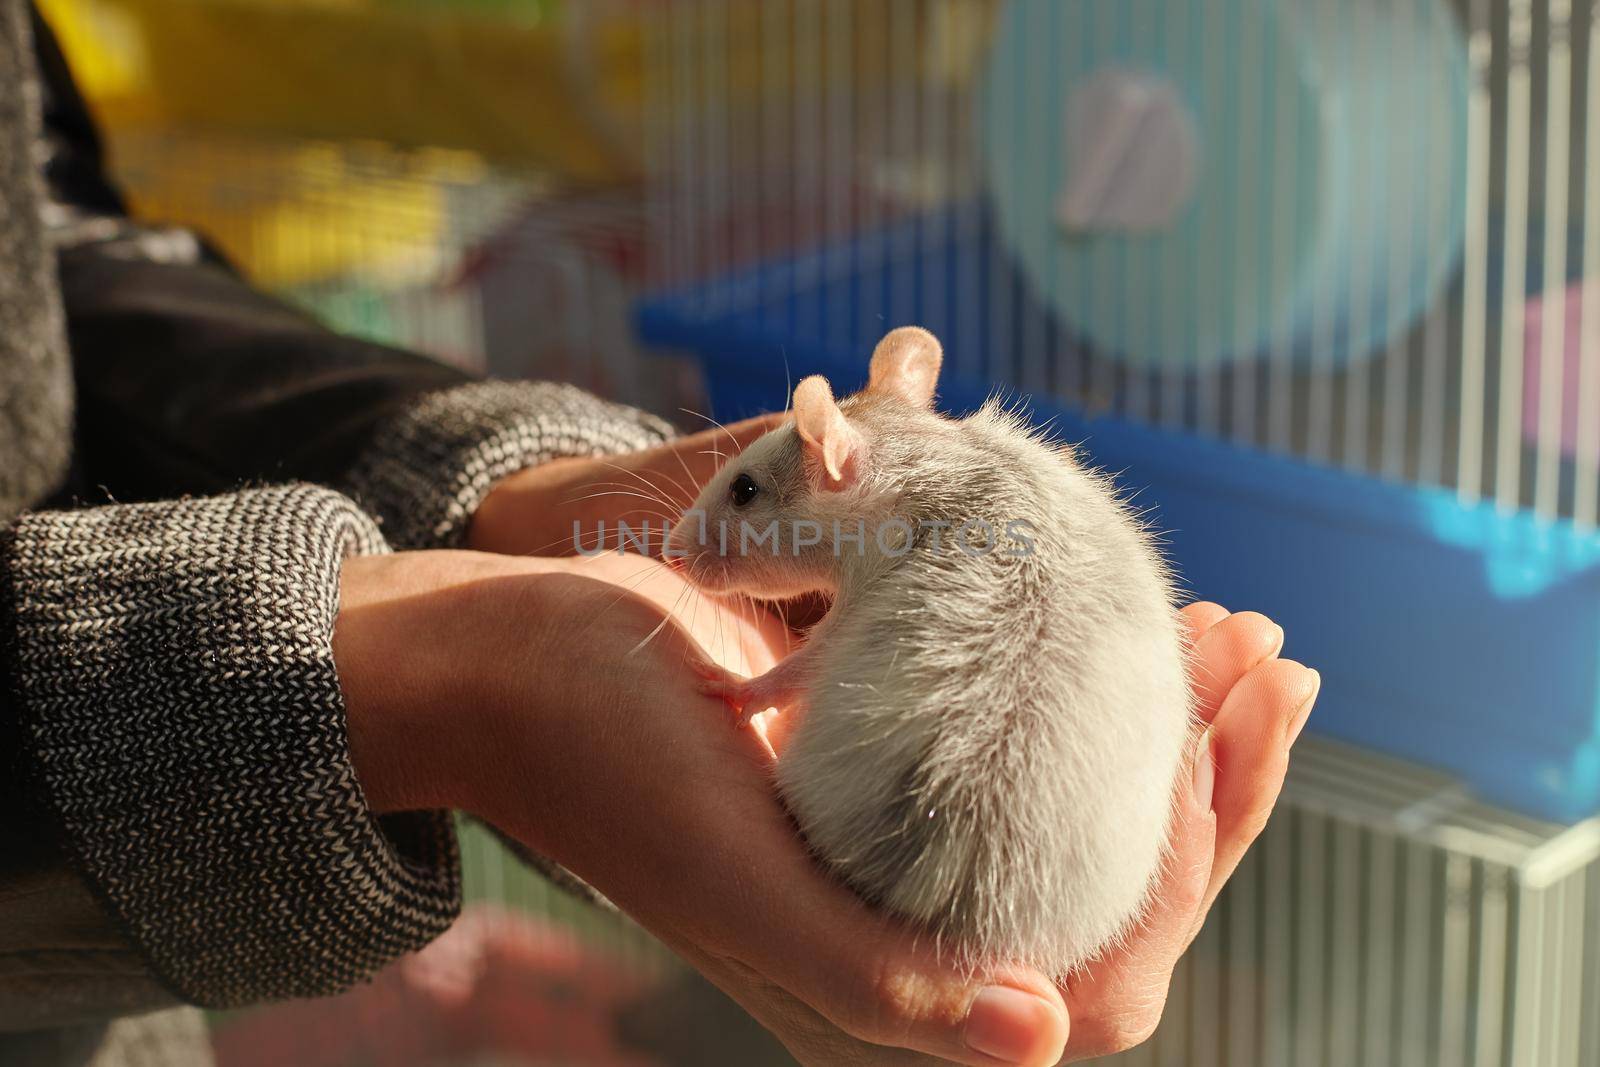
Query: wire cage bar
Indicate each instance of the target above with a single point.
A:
(1384, 918)
(1329, 270)
(1442, 343)
(1307, 273)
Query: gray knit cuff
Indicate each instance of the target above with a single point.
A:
(181, 712)
(427, 470)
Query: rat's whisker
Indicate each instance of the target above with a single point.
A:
(652, 486)
(687, 473)
(694, 616)
(651, 636)
(713, 422)
(615, 492)
(670, 515)
(625, 485)
(737, 447)
(669, 476)
(688, 498)
(626, 488)
(694, 596)
(628, 585)
(642, 481)
(719, 651)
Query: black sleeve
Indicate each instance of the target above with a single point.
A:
(191, 381)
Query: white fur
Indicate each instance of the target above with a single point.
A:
(989, 744)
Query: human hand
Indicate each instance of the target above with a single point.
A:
(593, 745)
(559, 706)
(533, 512)
(1255, 705)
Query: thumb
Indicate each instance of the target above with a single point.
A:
(813, 1038)
(876, 980)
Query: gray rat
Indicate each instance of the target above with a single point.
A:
(994, 711)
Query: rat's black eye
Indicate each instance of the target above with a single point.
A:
(743, 490)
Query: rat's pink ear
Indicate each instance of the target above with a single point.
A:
(827, 434)
(906, 364)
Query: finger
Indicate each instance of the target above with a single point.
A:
(870, 976)
(1201, 616)
(742, 636)
(1255, 728)
(885, 988)
(1226, 652)
(809, 1037)
(782, 922)
(1117, 1001)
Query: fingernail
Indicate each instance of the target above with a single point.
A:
(1313, 686)
(1205, 770)
(1277, 642)
(1010, 1025)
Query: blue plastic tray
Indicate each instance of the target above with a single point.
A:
(1450, 635)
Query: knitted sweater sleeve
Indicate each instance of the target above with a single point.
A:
(426, 470)
(169, 672)
(192, 381)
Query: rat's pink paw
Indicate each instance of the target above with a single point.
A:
(735, 691)
(749, 696)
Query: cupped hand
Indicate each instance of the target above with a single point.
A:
(1254, 705)
(564, 710)
(574, 722)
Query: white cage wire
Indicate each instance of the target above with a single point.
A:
(1440, 328)
(1384, 919)
(1452, 340)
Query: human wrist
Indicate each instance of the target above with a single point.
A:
(532, 511)
(405, 706)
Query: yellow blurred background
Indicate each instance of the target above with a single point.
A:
(308, 137)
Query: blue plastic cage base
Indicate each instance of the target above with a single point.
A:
(1448, 634)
